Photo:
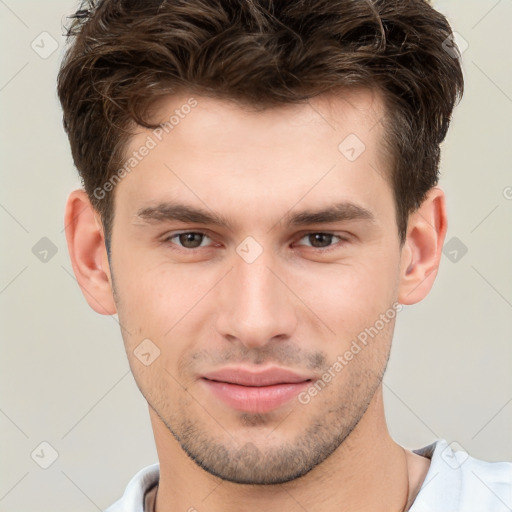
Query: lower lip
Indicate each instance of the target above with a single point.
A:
(255, 399)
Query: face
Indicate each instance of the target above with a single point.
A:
(251, 254)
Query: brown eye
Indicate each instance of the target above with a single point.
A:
(190, 240)
(187, 240)
(321, 240)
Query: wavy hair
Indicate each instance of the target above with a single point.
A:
(125, 54)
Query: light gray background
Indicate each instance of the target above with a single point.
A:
(64, 376)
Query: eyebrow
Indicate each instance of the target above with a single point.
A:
(173, 211)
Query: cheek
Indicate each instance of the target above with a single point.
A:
(163, 304)
(156, 312)
(152, 292)
(350, 296)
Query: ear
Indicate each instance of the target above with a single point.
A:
(421, 253)
(86, 245)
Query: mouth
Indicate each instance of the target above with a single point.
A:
(255, 391)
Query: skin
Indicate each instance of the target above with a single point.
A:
(294, 306)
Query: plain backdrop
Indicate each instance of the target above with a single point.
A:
(64, 376)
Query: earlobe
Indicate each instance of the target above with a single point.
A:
(421, 253)
(86, 245)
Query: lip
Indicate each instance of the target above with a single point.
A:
(267, 377)
(255, 391)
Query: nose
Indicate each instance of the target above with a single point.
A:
(255, 305)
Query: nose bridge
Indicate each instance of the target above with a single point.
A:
(258, 285)
(256, 305)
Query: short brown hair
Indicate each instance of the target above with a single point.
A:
(125, 54)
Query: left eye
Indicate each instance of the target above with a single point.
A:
(189, 239)
(194, 240)
(320, 240)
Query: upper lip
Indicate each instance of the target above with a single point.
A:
(247, 377)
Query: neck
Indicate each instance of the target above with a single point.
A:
(368, 472)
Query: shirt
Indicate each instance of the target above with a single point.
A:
(455, 482)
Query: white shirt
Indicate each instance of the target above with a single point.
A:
(455, 482)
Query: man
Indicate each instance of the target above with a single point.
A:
(260, 201)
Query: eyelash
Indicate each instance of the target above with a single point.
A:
(168, 238)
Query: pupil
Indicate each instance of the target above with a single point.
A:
(317, 237)
(187, 240)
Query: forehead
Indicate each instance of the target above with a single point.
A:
(360, 109)
(218, 152)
